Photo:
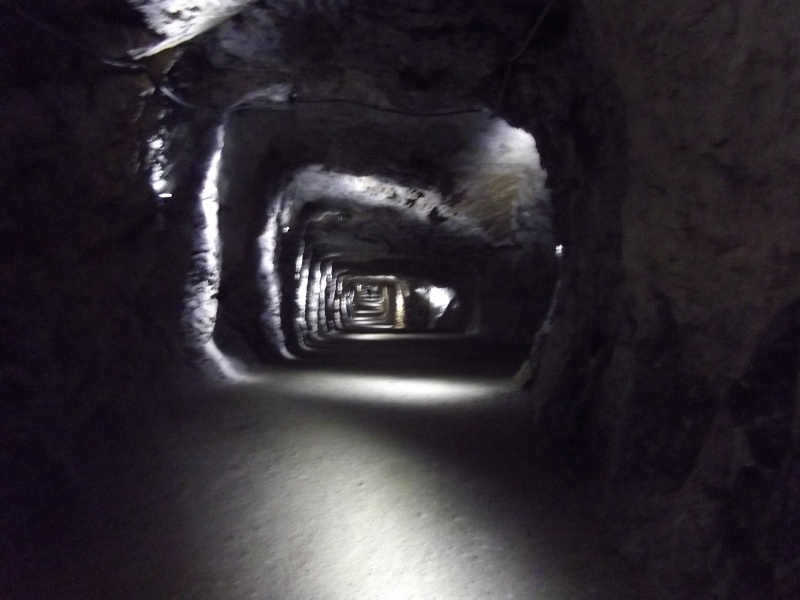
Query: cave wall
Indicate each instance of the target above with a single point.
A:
(95, 267)
(676, 188)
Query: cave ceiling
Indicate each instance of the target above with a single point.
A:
(396, 92)
(414, 54)
(375, 73)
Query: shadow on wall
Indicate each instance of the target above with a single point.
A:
(97, 266)
(761, 485)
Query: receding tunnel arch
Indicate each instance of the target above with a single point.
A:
(460, 196)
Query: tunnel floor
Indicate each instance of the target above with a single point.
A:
(320, 481)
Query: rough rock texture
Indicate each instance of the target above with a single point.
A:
(690, 377)
(670, 135)
(384, 190)
(94, 264)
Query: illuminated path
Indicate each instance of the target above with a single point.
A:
(313, 484)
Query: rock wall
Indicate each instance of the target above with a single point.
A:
(95, 266)
(685, 346)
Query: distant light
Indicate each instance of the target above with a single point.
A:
(559, 251)
(400, 309)
(165, 195)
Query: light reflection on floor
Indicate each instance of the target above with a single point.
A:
(339, 487)
(318, 485)
(375, 521)
(372, 388)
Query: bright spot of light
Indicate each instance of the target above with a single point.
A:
(393, 389)
(399, 310)
(182, 20)
(362, 183)
(559, 250)
(204, 302)
(440, 298)
(511, 145)
(210, 193)
(158, 166)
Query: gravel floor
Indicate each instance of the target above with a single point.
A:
(332, 484)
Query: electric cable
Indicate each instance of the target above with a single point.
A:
(111, 62)
(384, 109)
(170, 94)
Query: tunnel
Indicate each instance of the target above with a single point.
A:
(405, 300)
(449, 213)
